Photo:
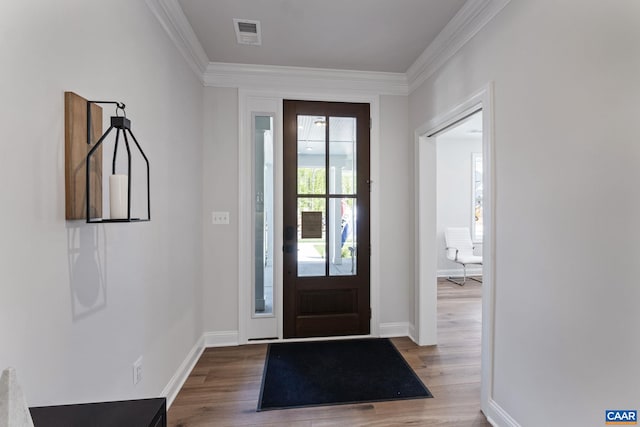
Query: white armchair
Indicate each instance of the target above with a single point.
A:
(460, 249)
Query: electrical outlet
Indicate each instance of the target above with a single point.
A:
(137, 371)
(220, 218)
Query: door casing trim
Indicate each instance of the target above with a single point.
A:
(245, 257)
(425, 259)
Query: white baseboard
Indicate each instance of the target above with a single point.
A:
(397, 329)
(178, 379)
(471, 271)
(220, 339)
(208, 339)
(498, 417)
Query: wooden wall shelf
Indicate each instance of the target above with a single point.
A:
(76, 149)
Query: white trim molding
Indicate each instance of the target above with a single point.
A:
(469, 20)
(248, 76)
(182, 373)
(208, 339)
(396, 329)
(244, 173)
(412, 333)
(175, 23)
(425, 290)
(499, 417)
(249, 326)
(220, 339)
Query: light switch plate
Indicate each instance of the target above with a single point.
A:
(219, 218)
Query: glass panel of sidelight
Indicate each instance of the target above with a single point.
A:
(342, 155)
(312, 176)
(478, 219)
(342, 236)
(263, 214)
(312, 242)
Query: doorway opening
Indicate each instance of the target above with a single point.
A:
(459, 200)
(430, 246)
(459, 235)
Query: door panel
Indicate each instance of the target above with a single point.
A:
(326, 219)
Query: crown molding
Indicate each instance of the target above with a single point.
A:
(267, 76)
(469, 20)
(175, 23)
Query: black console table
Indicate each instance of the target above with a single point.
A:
(127, 413)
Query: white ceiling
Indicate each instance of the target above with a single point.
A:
(367, 35)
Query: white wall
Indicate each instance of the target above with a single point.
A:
(454, 185)
(220, 193)
(396, 213)
(566, 173)
(80, 303)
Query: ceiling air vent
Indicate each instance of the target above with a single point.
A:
(248, 31)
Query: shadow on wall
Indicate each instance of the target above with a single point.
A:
(87, 258)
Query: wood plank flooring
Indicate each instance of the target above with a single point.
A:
(224, 386)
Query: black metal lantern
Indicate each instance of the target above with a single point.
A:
(120, 200)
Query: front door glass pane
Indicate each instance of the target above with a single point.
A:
(312, 242)
(342, 236)
(311, 155)
(478, 220)
(342, 155)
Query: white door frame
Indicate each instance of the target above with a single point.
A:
(425, 244)
(252, 325)
(265, 101)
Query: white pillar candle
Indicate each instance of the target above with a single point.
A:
(118, 196)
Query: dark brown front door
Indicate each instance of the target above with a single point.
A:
(326, 219)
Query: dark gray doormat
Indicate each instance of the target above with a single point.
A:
(319, 373)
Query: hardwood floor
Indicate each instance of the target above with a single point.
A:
(224, 386)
